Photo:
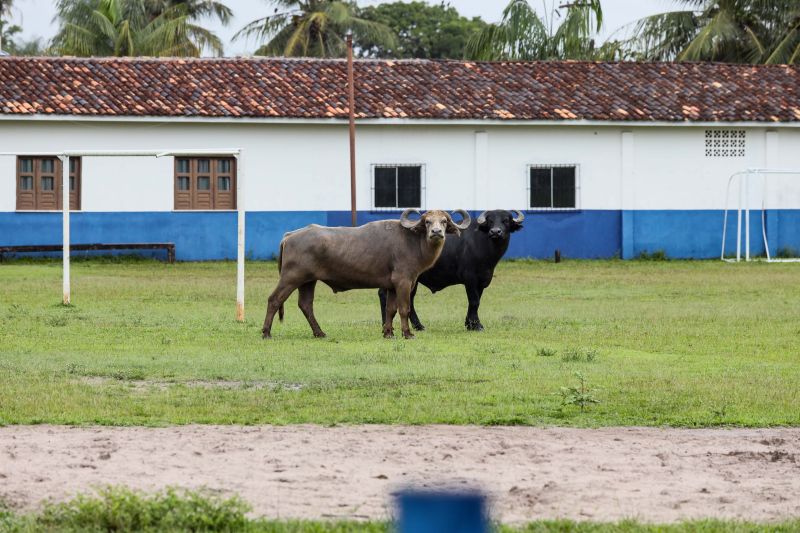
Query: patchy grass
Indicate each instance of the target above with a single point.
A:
(173, 510)
(664, 343)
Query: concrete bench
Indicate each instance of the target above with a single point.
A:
(168, 246)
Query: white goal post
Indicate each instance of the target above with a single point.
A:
(64, 156)
(744, 178)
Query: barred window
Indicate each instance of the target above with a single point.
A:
(397, 186)
(552, 187)
(725, 143)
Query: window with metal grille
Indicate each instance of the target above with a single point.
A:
(205, 183)
(725, 143)
(397, 186)
(552, 187)
(39, 183)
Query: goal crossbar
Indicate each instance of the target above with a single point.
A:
(744, 178)
(240, 230)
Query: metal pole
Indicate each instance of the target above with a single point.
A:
(747, 217)
(65, 227)
(240, 235)
(351, 99)
(739, 221)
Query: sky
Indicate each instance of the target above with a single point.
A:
(36, 16)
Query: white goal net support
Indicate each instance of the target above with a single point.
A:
(746, 180)
(64, 156)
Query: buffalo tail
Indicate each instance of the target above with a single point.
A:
(280, 261)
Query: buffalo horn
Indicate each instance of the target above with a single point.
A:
(520, 217)
(465, 219)
(405, 221)
(482, 218)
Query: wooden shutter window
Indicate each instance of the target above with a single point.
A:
(75, 183)
(39, 183)
(203, 198)
(224, 195)
(205, 183)
(183, 183)
(47, 195)
(26, 194)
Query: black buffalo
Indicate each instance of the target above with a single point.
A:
(469, 260)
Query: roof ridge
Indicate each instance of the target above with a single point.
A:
(281, 59)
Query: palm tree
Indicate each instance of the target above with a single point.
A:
(736, 31)
(5, 11)
(313, 28)
(195, 9)
(132, 28)
(565, 32)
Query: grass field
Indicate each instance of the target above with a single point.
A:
(660, 343)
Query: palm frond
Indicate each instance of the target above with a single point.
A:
(711, 40)
(787, 50)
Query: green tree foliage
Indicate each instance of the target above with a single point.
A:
(313, 28)
(8, 43)
(195, 8)
(6, 30)
(566, 31)
(135, 27)
(423, 30)
(734, 31)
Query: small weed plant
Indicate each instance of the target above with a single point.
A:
(580, 395)
(577, 355)
(658, 255)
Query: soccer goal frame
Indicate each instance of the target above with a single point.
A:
(64, 156)
(744, 178)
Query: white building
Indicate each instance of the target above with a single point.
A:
(605, 159)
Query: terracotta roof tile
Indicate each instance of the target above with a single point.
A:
(414, 89)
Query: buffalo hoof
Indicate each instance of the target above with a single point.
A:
(388, 334)
(266, 336)
(320, 334)
(408, 335)
(474, 326)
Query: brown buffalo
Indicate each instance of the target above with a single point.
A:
(388, 254)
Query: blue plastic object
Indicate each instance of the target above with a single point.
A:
(441, 512)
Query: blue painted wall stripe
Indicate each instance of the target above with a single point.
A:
(578, 234)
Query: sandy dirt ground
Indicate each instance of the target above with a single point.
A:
(654, 475)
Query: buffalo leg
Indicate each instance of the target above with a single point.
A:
(474, 293)
(403, 292)
(382, 298)
(415, 323)
(391, 310)
(305, 301)
(275, 301)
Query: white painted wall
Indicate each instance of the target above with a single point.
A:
(305, 167)
(8, 185)
(596, 152)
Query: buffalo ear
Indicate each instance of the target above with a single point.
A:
(483, 224)
(452, 228)
(515, 226)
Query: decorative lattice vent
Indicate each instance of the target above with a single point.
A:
(725, 143)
